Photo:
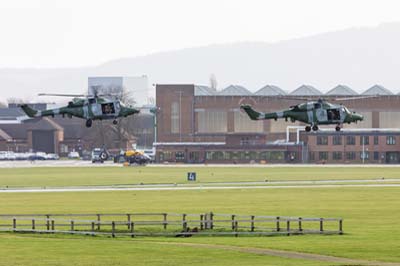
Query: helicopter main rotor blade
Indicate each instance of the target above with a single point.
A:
(61, 95)
(356, 98)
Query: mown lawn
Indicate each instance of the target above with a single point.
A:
(370, 215)
(75, 176)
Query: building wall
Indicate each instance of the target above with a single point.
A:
(218, 119)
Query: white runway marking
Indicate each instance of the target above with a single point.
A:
(97, 189)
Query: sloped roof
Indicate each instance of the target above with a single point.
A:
(306, 90)
(270, 90)
(201, 90)
(234, 90)
(10, 113)
(341, 90)
(4, 135)
(44, 123)
(377, 90)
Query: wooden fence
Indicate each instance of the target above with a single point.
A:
(168, 224)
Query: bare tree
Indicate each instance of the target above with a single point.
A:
(213, 81)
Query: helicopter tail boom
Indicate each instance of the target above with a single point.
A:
(29, 111)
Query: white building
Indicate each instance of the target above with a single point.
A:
(136, 86)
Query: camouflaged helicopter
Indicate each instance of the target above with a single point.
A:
(92, 107)
(313, 113)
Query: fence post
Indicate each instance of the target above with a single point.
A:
(72, 225)
(205, 221)
(211, 220)
(98, 222)
(278, 228)
(165, 221)
(236, 228)
(233, 222)
(341, 226)
(52, 225)
(14, 224)
(33, 224)
(113, 229)
(201, 221)
(129, 220)
(132, 229)
(300, 225)
(93, 228)
(288, 227)
(48, 222)
(184, 223)
(321, 225)
(252, 223)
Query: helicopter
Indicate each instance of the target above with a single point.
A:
(313, 113)
(89, 107)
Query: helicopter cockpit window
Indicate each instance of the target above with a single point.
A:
(108, 108)
(317, 105)
(92, 100)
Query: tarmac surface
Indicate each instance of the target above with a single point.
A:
(81, 163)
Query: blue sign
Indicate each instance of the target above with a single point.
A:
(191, 176)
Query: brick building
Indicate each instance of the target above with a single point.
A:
(197, 124)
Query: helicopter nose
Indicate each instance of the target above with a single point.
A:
(358, 117)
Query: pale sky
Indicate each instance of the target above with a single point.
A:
(72, 33)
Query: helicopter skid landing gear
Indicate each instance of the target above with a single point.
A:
(89, 123)
(314, 127)
(115, 122)
(337, 128)
(308, 128)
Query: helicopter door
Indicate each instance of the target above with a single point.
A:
(333, 114)
(321, 115)
(108, 108)
(94, 107)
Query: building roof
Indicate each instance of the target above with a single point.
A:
(341, 90)
(201, 90)
(377, 90)
(306, 90)
(10, 113)
(270, 90)
(234, 90)
(4, 135)
(44, 123)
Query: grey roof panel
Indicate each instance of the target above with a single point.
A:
(342, 90)
(377, 90)
(234, 90)
(201, 90)
(306, 90)
(270, 90)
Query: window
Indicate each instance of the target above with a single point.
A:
(175, 119)
(376, 155)
(322, 140)
(350, 140)
(337, 140)
(350, 155)
(390, 140)
(323, 155)
(179, 156)
(364, 155)
(337, 155)
(210, 121)
(311, 156)
(376, 140)
(365, 140)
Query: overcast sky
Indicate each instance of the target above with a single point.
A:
(51, 33)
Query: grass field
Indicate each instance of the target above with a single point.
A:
(70, 176)
(370, 215)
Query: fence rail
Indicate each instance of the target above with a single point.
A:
(168, 224)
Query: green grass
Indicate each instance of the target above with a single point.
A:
(70, 176)
(371, 217)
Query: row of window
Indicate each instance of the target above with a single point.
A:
(228, 155)
(338, 155)
(351, 140)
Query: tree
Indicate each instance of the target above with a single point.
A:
(213, 81)
(2, 105)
